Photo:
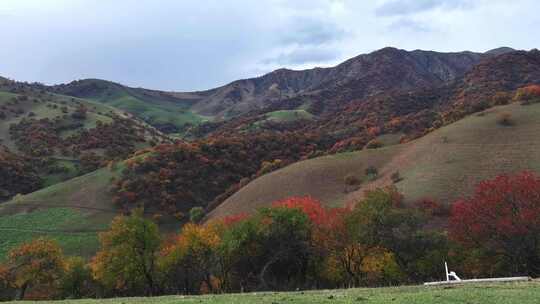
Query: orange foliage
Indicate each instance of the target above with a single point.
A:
(231, 220)
(528, 93)
(34, 264)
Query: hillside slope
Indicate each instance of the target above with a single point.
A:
(72, 212)
(59, 137)
(442, 165)
(372, 73)
(351, 122)
(166, 111)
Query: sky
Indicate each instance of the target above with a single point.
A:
(185, 45)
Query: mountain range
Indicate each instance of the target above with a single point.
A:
(99, 148)
(368, 74)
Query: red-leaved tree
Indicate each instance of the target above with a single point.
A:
(502, 219)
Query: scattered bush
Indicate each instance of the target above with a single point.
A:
(79, 113)
(396, 177)
(372, 172)
(196, 214)
(269, 166)
(351, 180)
(479, 106)
(505, 119)
(432, 207)
(501, 98)
(374, 144)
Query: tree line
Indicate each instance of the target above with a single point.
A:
(296, 244)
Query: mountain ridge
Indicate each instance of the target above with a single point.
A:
(371, 73)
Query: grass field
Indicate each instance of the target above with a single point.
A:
(71, 172)
(283, 116)
(288, 115)
(71, 212)
(56, 223)
(443, 165)
(156, 112)
(502, 293)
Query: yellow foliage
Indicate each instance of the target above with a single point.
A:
(195, 239)
(127, 254)
(380, 266)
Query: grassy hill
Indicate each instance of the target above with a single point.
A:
(442, 165)
(164, 110)
(71, 212)
(19, 106)
(61, 137)
(508, 293)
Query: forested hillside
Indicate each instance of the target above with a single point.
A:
(57, 137)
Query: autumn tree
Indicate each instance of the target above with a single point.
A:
(271, 249)
(126, 262)
(39, 262)
(379, 265)
(190, 259)
(7, 291)
(77, 281)
(373, 218)
(528, 94)
(335, 258)
(502, 220)
(17, 175)
(382, 221)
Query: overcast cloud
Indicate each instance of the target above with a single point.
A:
(191, 45)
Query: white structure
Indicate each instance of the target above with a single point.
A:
(453, 278)
(450, 274)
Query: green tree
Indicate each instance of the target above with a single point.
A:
(77, 280)
(271, 250)
(381, 221)
(126, 262)
(196, 214)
